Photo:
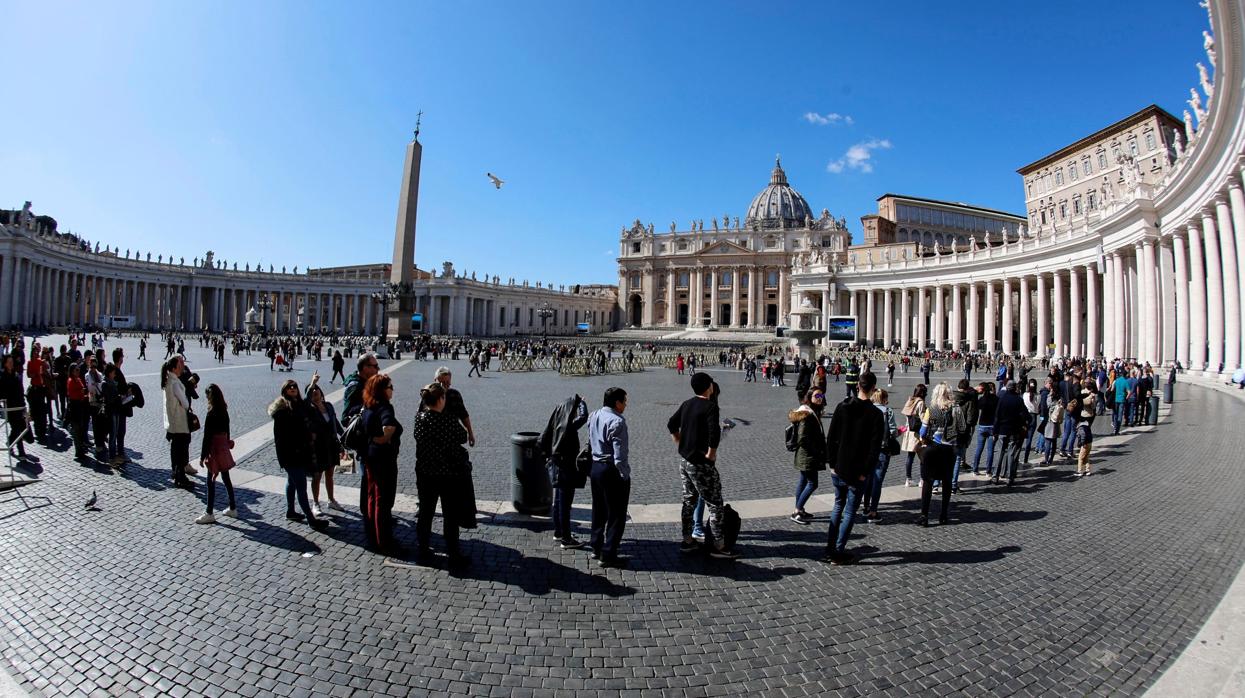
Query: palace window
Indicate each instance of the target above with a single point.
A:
(743, 280)
(662, 247)
(635, 281)
(724, 279)
(1072, 171)
(1132, 146)
(1030, 189)
(1092, 200)
(1063, 209)
(1059, 177)
(1076, 206)
(682, 245)
(795, 244)
(1149, 141)
(1102, 160)
(635, 248)
(771, 242)
(682, 280)
(1086, 168)
(771, 279)
(1115, 153)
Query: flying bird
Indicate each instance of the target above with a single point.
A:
(90, 503)
(496, 181)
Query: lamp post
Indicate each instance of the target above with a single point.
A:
(545, 311)
(264, 304)
(388, 294)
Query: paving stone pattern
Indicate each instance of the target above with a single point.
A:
(1053, 587)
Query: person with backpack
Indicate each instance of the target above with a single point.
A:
(696, 429)
(559, 443)
(852, 446)
(939, 435)
(352, 413)
(804, 437)
(912, 411)
(967, 400)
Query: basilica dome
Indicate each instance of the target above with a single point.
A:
(778, 205)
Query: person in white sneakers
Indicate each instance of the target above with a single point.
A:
(216, 454)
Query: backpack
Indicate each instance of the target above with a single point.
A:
(792, 435)
(731, 524)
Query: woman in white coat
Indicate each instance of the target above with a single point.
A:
(176, 420)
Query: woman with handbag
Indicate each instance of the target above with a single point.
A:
(912, 411)
(936, 449)
(890, 447)
(328, 446)
(216, 454)
(440, 466)
(177, 420)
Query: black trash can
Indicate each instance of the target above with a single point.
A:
(1168, 392)
(1153, 417)
(531, 492)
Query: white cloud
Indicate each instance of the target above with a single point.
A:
(858, 156)
(814, 118)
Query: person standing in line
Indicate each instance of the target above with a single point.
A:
(123, 411)
(873, 489)
(327, 431)
(1085, 428)
(1119, 409)
(853, 378)
(852, 445)
(559, 443)
(292, 438)
(176, 421)
(803, 379)
(384, 435)
(441, 464)
(611, 477)
(1033, 403)
(987, 405)
(810, 451)
(696, 430)
(926, 367)
(1010, 421)
(366, 367)
(454, 404)
(943, 421)
(36, 392)
(216, 454)
(15, 401)
(77, 409)
(912, 411)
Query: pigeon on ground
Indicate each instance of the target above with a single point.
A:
(728, 423)
(90, 503)
(496, 182)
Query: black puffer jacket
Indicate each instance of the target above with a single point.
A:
(291, 434)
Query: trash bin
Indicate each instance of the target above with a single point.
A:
(1153, 417)
(531, 492)
(1168, 391)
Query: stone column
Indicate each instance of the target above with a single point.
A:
(1007, 316)
(1182, 298)
(940, 318)
(905, 317)
(853, 310)
(784, 294)
(1228, 252)
(754, 285)
(736, 296)
(1150, 327)
(695, 296)
(714, 281)
(1214, 294)
(888, 316)
(957, 318)
(671, 278)
(7, 272)
(1117, 305)
(1166, 276)
(991, 318)
(922, 320)
(1074, 314)
(1060, 302)
(871, 313)
(1236, 198)
(1043, 313)
(1091, 310)
(974, 317)
(1026, 317)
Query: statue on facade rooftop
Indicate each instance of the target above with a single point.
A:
(673, 226)
(1208, 43)
(1195, 101)
(1189, 131)
(1207, 85)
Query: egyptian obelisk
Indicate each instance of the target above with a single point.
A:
(403, 270)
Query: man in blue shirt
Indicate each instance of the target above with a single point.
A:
(1120, 386)
(611, 477)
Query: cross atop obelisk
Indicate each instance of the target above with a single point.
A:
(403, 269)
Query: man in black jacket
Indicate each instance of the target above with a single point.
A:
(560, 444)
(696, 429)
(1011, 421)
(852, 446)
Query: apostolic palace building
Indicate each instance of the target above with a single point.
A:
(1130, 245)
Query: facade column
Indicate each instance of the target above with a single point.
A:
(754, 285)
(1026, 317)
(668, 321)
(870, 318)
(974, 317)
(1091, 310)
(1182, 298)
(1150, 328)
(853, 310)
(736, 297)
(1075, 339)
(888, 319)
(1007, 316)
(784, 294)
(1118, 306)
(992, 315)
(1214, 294)
(1043, 312)
(922, 320)
(714, 281)
(7, 272)
(1061, 319)
(1228, 252)
(1236, 199)
(905, 319)
(695, 297)
(957, 318)
(940, 318)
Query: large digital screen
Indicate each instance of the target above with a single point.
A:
(841, 328)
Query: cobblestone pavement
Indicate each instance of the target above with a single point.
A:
(1054, 587)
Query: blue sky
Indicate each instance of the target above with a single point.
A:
(275, 131)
